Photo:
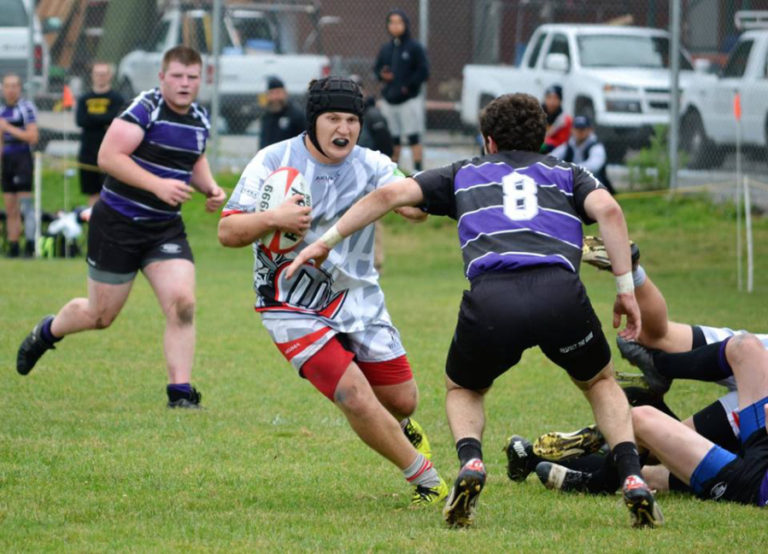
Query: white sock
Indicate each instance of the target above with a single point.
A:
(421, 472)
(638, 275)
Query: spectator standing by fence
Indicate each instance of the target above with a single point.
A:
(402, 66)
(94, 112)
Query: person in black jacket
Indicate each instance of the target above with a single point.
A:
(282, 120)
(94, 112)
(402, 67)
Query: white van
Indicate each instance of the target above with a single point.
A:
(14, 46)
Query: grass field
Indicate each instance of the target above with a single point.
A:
(92, 461)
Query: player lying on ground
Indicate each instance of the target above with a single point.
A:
(584, 450)
(690, 460)
(520, 218)
(333, 325)
(673, 349)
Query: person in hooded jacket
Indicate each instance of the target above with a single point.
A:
(402, 67)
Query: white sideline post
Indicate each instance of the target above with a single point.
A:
(38, 202)
(748, 225)
(739, 248)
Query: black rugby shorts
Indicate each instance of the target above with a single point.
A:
(504, 313)
(117, 244)
(17, 172)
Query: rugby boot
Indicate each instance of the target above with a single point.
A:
(593, 252)
(32, 348)
(642, 358)
(460, 507)
(425, 496)
(188, 400)
(556, 446)
(520, 459)
(415, 434)
(560, 478)
(643, 508)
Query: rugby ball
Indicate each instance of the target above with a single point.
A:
(281, 184)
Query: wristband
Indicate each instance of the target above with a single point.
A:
(625, 283)
(332, 237)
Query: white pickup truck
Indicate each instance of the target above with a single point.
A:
(252, 50)
(618, 76)
(708, 128)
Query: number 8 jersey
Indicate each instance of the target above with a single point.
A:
(514, 209)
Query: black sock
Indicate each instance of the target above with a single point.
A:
(417, 165)
(591, 463)
(627, 460)
(468, 448)
(638, 396)
(713, 423)
(177, 391)
(676, 484)
(606, 479)
(47, 334)
(706, 363)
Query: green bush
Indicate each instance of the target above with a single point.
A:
(650, 168)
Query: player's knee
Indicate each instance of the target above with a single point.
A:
(102, 320)
(643, 418)
(355, 397)
(184, 311)
(743, 347)
(12, 210)
(605, 377)
(404, 403)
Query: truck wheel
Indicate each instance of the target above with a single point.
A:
(693, 138)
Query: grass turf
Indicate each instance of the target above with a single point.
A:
(91, 460)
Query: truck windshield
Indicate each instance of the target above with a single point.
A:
(254, 31)
(12, 14)
(626, 51)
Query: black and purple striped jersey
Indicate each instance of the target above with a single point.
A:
(172, 144)
(19, 115)
(514, 209)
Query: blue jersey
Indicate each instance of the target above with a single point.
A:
(514, 209)
(19, 115)
(172, 144)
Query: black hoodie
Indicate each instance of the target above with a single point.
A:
(407, 60)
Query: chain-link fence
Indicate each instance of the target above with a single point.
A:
(622, 83)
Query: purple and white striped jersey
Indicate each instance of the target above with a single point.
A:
(19, 115)
(514, 209)
(172, 144)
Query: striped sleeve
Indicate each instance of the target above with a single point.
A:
(140, 109)
(29, 112)
(583, 184)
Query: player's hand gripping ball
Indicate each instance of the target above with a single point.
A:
(281, 184)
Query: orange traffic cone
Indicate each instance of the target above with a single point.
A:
(67, 98)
